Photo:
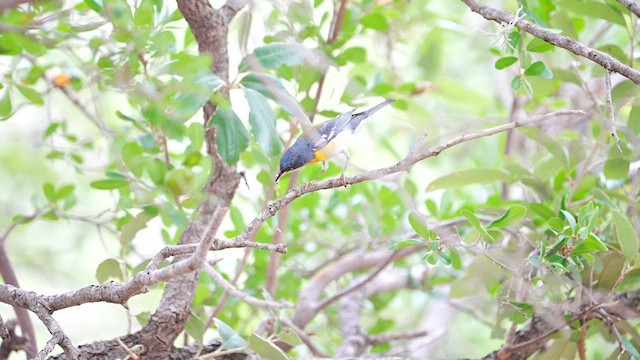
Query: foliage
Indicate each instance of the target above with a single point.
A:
(510, 223)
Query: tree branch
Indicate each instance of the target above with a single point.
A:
(565, 42)
(414, 156)
(535, 334)
(213, 274)
(631, 6)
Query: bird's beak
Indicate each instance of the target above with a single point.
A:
(278, 177)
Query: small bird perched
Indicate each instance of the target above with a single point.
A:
(334, 137)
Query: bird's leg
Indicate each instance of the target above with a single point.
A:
(325, 166)
(346, 165)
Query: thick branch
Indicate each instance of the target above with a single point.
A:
(565, 42)
(535, 334)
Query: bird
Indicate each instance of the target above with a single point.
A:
(334, 137)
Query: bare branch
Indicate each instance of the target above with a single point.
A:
(385, 338)
(241, 295)
(631, 5)
(565, 42)
(413, 157)
(612, 116)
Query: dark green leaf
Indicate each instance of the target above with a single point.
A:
(272, 88)
(263, 123)
(232, 137)
(535, 69)
(511, 216)
(539, 45)
(505, 62)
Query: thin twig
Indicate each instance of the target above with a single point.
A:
(253, 301)
(565, 42)
(612, 117)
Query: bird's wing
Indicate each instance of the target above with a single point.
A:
(333, 127)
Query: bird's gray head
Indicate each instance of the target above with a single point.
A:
(299, 154)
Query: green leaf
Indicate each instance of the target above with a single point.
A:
(375, 21)
(132, 158)
(5, 104)
(634, 120)
(95, 5)
(31, 94)
(626, 235)
(109, 184)
(515, 83)
(419, 224)
(616, 168)
(109, 269)
(543, 210)
(64, 191)
(232, 137)
(538, 68)
(230, 339)
(265, 348)
(475, 222)
(195, 328)
(144, 13)
(407, 243)
(628, 347)
(511, 216)
(289, 336)
(539, 45)
(466, 177)
(272, 88)
(274, 55)
(263, 123)
(137, 223)
(595, 9)
(505, 62)
(591, 245)
(356, 55)
(49, 192)
(196, 135)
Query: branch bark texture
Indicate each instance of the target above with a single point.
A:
(565, 42)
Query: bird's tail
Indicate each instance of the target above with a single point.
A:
(357, 118)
